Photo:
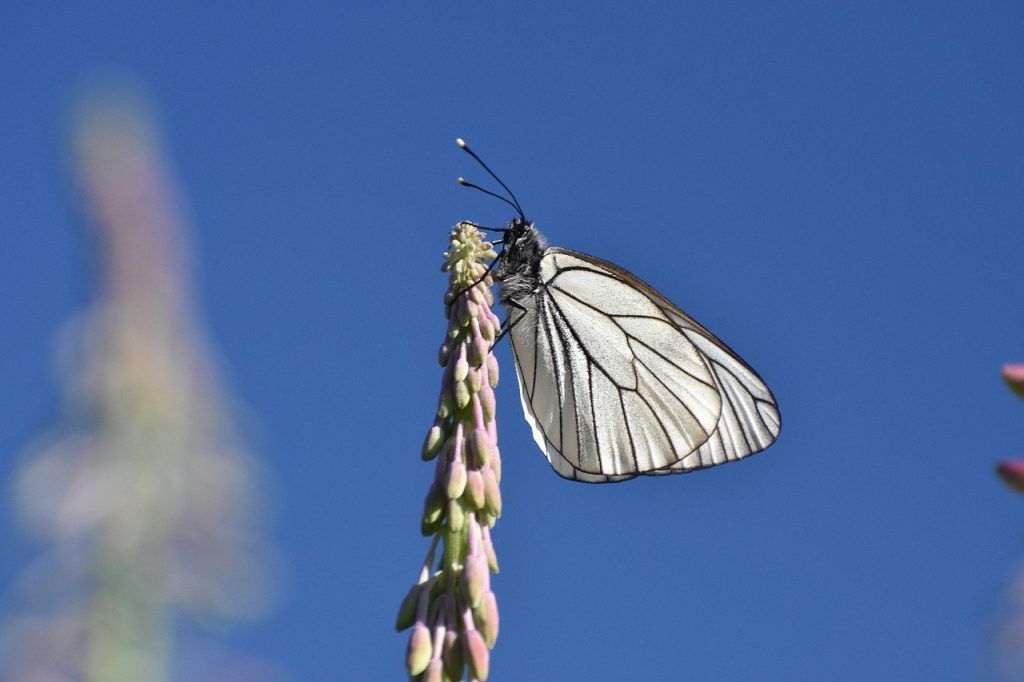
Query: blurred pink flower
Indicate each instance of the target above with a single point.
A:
(144, 494)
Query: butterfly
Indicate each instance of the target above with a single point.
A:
(615, 379)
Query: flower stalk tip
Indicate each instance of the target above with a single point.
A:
(452, 610)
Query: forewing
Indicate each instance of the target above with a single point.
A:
(611, 385)
(750, 420)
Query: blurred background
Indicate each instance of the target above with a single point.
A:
(834, 190)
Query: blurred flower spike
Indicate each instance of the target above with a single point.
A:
(1014, 377)
(1012, 470)
(451, 609)
(142, 494)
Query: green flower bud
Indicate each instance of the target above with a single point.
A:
(433, 510)
(456, 516)
(485, 615)
(461, 367)
(486, 331)
(492, 558)
(407, 611)
(432, 443)
(492, 495)
(473, 379)
(462, 394)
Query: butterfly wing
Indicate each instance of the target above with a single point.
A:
(617, 381)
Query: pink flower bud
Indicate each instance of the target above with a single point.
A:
(435, 671)
(492, 370)
(452, 654)
(477, 578)
(477, 654)
(495, 462)
(486, 396)
(420, 650)
(492, 558)
(456, 483)
(1014, 377)
(1012, 473)
(475, 489)
(480, 446)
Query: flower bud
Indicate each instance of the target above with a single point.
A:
(485, 614)
(443, 353)
(461, 366)
(492, 558)
(1012, 473)
(456, 516)
(480, 446)
(433, 510)
(407, 611)
(474, 378)
(477, 578)
(475, 489)
(487, 402)
(492, 495)
(478, 347)
(435, 671)
(420, 650)
(456, 483)
(477, 655)
(432, 443)
(462, 394)
(492, 370)
(451, 652)
(495, 461)
(1014, 377)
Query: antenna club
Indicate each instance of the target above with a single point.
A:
(461, 181)
(461, 143)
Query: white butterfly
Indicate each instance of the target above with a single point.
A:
(615, 379)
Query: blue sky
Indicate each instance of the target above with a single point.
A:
(835, 189)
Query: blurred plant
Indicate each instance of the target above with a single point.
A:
(1012, 470)
(1010, 635)
(451, 609)
(143, 494)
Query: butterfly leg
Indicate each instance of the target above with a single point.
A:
(507, 326)
(490, 267)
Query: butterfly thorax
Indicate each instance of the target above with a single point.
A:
(519, 270)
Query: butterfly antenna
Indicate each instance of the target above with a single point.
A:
(515, 202)
(466, 183)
